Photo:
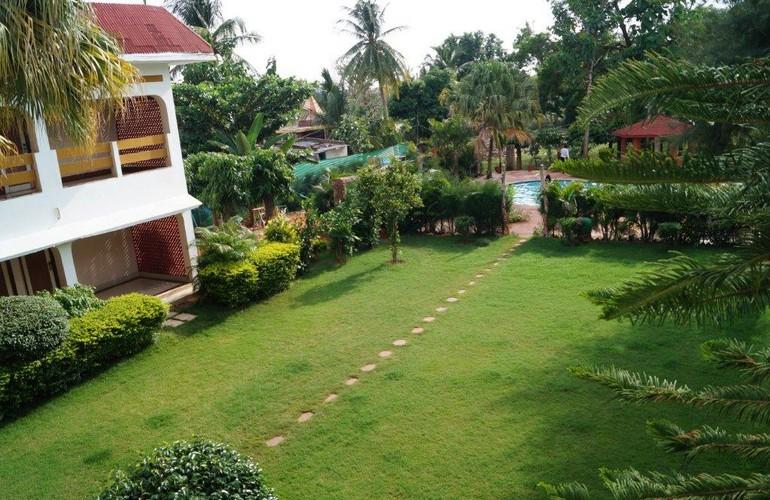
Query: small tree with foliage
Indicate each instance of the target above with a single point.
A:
(338, 224)
(270, 176)
(220, 180)
(395, 193)
(448, 140)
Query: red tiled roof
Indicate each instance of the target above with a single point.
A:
(657, 126)
(146, 29)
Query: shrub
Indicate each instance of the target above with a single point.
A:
(229, 283)
(280, 230)
(228, 242)
(124, 326)
(277, 265)
(76, 300)
(30, 327)
(197, 469)
(339, 224)
(464, 225)
(669, 231)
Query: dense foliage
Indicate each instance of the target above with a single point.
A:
(280, 230)
(277, 265)
(97, 339)
(227, 242)
(190, 469)
(30, 327)
(76, 299)
(231, 283)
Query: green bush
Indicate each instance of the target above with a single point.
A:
(230, 283)
(280, 230)
(464, 225)
(30, 327)
(124, 326)
(228, 242)
(484, 205)
(197, 469)
(669, 231)
(277, 265)
(76, 300)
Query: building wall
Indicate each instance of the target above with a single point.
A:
(105, 260)
(159, 249)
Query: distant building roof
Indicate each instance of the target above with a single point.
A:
(146, 29)
(657, 126)
(384, 155)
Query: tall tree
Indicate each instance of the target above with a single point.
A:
(459, 53)
(685, 290)
(41, 39)
(419, 100)
(372, 58)
(332, 98)
(206, 16)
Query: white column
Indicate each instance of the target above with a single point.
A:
(68, 264)
(188, 240)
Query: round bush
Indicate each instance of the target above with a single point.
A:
(197, 469)
(230, 283)
(30, 327)
(280, 230)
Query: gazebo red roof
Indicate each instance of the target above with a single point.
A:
(146, 29)
(657, 126)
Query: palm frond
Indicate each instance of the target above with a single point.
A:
(634, 387)
(751, 362)
(566, 491)
(632, 484)
(696, 442)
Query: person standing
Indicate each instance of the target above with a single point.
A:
(564, 153)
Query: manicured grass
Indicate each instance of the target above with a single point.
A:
(480, 406)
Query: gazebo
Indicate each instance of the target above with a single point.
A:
(652, 133)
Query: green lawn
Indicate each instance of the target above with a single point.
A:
(480, 406)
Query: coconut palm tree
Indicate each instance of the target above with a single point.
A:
(332, 98)
(207, 18)
(372, 59)
(41, 39)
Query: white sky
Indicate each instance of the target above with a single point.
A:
(304, 37)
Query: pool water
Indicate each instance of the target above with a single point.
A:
(528, 193)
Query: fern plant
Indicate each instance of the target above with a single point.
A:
(228, 242)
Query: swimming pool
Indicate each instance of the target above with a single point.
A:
(528, 192)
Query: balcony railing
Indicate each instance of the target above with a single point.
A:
(17, 175)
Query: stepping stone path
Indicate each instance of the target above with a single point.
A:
(452, 299)
(479, 275)
(487, 270)
(496, 264)
(472, 283)
(399, 343)
(351, 381)
(331, 398)
(460, 292)
(273, 442)
(386, 354)
(305, 417)
(441, 309)
(368, 368)
(178, 319)
(429, 319)
(418, 330)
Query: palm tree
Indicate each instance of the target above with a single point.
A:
(41, 39)
(207, 18)
(332, 99)
(372, 58)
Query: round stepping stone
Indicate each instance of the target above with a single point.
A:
(273, 442)
(331, 398)
(305, 416)
(418, 330)
(368, 368)
(185, 317)
(351, 381)
(472, 283)
(479, 275)
(429, 319)
(460, 292)
(441, 309)
(487, 270)
(399, 343)
(496, 264)
(385, 354)
(452, 299)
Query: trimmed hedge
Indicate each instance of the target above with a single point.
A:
(197, 469)
(277, 265)
(122, 327)
(30, 327)
(230, 283)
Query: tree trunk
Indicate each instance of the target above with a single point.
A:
(509, 160)
(519, 159)
(269, 202)
(587, 131)
(504, 208)
(489, 157)
(384, 99)
(395, 240)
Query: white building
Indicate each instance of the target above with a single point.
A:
(115, 216)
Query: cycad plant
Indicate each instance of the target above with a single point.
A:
(733, 186)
